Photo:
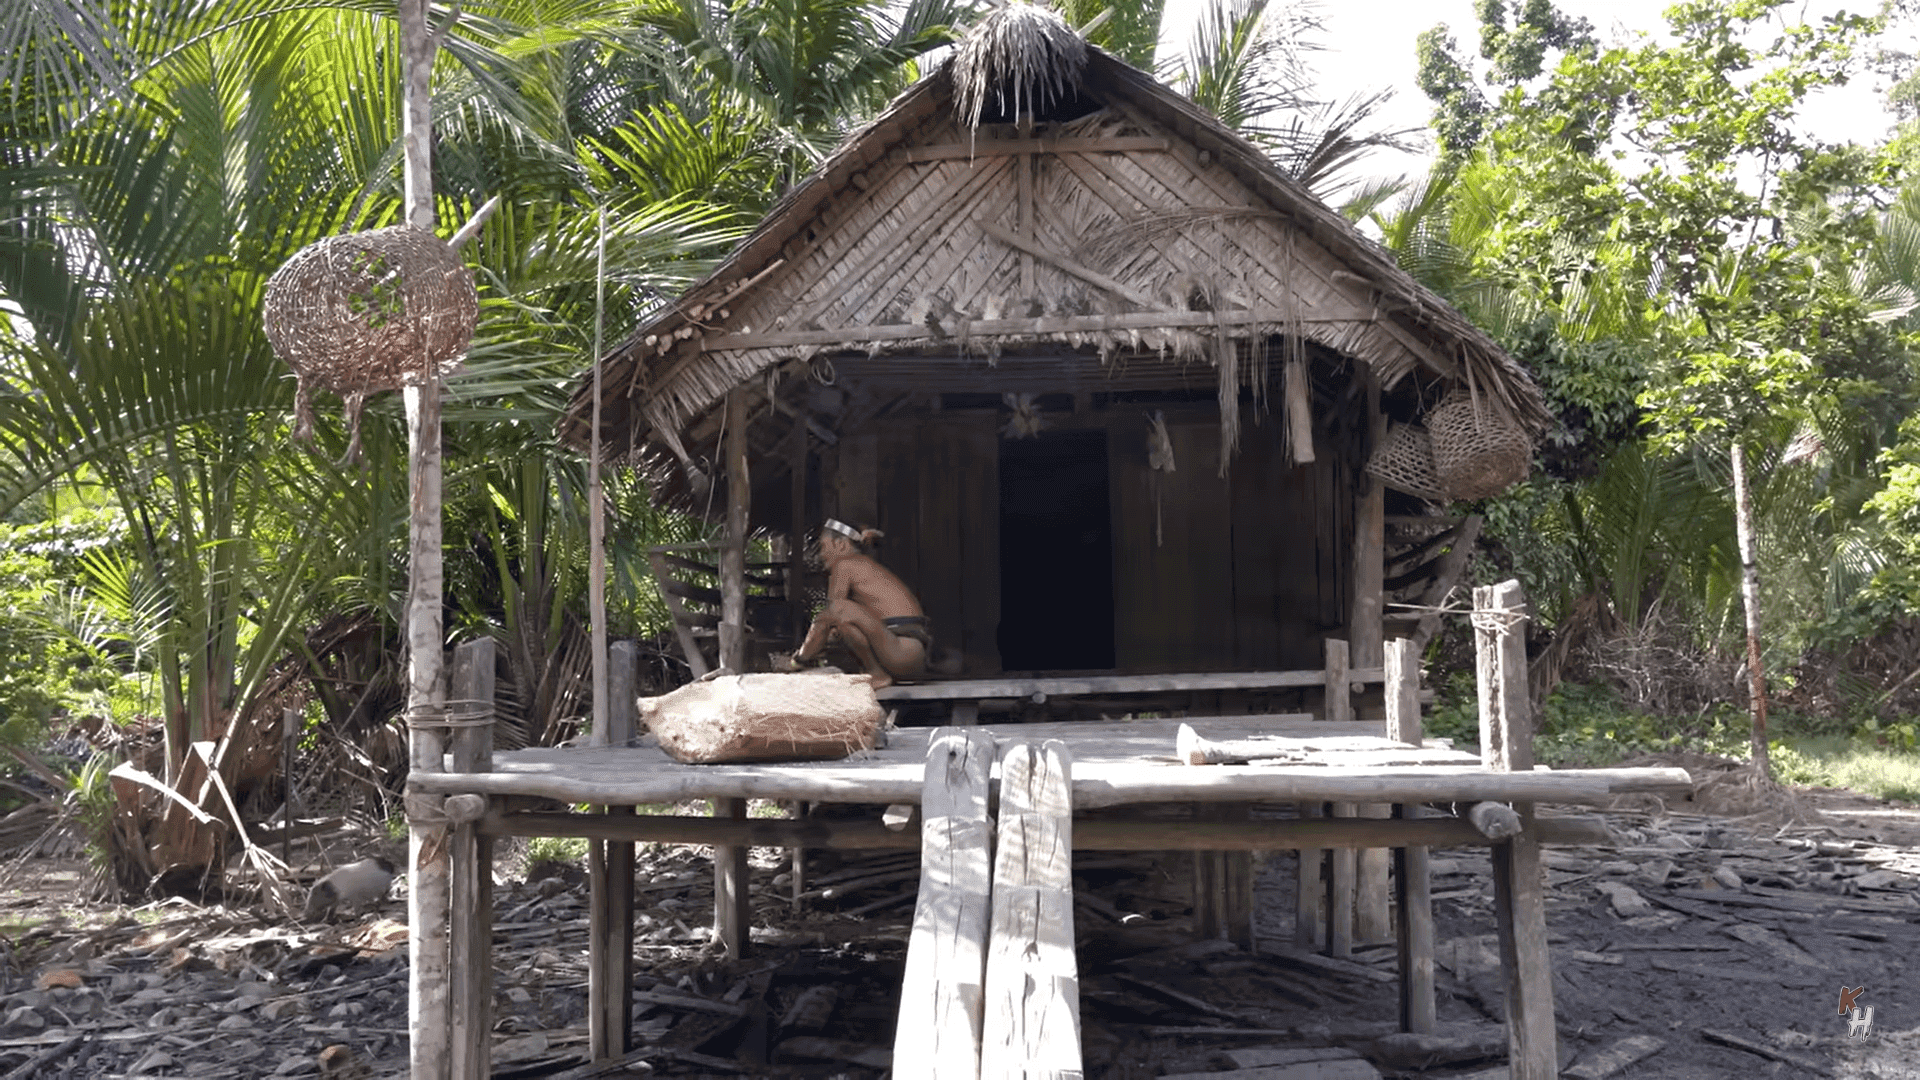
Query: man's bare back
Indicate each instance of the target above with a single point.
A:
(874, 587)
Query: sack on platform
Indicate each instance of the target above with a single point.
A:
(802, 717)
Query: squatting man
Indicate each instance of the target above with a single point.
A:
(869, 610)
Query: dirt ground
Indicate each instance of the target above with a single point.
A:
(1709, 945)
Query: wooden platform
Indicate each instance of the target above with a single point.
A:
(1115, 763)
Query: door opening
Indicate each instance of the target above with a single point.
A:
(1056, 553)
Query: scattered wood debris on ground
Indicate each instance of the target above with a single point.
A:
(1696, 946)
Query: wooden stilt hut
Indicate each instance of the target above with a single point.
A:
(1125, 397)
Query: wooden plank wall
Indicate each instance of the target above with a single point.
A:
(1252, 572)
(937, 497)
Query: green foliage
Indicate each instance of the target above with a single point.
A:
(559, 850)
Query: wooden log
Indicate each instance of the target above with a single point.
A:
(1095, 787)
(1312, 833)
(682, 625)
(1335, 679)
(1506, 726)
(1189, 748)
(797, 530)
(610, 866)
(943, 994)
(1496, 821)
(1310, 891)
(1072, 686)
(733, 555)
(1032, 997)
(1340, 890)
(1299, 394)
(470, 899)
(1413, 917)
(429, 1010)
(1372, 911)
(732, 907)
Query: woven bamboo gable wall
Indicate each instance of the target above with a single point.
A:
(1141, 226)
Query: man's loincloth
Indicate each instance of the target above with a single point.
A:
(916, 627)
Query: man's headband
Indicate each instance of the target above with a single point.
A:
(844, 529)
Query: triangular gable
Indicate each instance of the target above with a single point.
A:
(1144, 226)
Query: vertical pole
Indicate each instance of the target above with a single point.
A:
(471, 888)
(1414, 915)
(1750, 594)
(730, 902)
(428, 901)
(1370, 919)
(610, 886)
(1506, 745)
(597, 510)
(797, 552)
(290, 741)
(1310, 889)
(732, 907)
(733, 555)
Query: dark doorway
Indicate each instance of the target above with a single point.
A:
(1056, 553)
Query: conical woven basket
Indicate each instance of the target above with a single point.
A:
(1476, 454)
(1404, 462)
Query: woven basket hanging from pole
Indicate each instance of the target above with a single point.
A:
(1404, 462)
(369, 311)
(1476, 454)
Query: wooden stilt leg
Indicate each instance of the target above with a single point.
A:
(1414, 925)
(798, 860)
(1340, 890)
(1371, 922)
(1310, 890)
(470, 936)
(1520, 906)
(610, 950)
(1414, 912)
(732, 910)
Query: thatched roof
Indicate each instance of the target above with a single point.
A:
(1142, 228)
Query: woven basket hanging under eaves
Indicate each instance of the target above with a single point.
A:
(1404, 462)
(1476, 454)
(369, 311)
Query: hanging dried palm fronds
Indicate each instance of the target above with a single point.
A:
(1025, 56)
(1159, 466)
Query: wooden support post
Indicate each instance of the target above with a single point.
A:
(1366, 623)
(733, 552)
(1223, 883)
(1339, 706)
(1310, 890)
(1372, 914)
(610, 886)
(429, 1031)
(1413, 921)
(1506, 745)
(732, 906)
(471, 886)
(943, 994)
(797, 548)
(289, 741)
(1340, 888)
(1032, 1015)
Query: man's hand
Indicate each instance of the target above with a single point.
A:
(784, 662)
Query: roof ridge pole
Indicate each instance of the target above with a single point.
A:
(429, 896)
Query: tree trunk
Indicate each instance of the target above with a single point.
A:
(428, 898)
(1750, 593)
